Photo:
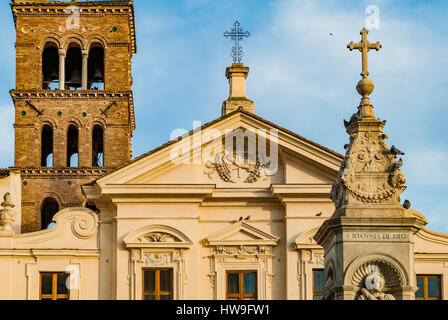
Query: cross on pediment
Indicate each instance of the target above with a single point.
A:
(237, 34)
(364, 46)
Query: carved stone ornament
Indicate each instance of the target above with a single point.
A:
(240, 250)
(84, 226)
(212, 279)
(7, 215)
(158, 259)
(226, 165)
(393, 277)
(374, 284)
(159, 237)
(376, 276)
(370, 172)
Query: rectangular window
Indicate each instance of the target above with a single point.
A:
(53, 286)
(429, 287)
(241, 285)
(157, 284)
(318, 284)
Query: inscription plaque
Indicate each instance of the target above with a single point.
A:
(376, 236)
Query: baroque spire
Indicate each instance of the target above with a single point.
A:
(237, 74)
(370, 174)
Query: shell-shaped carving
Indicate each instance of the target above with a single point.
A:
(84, 226)
(387, 269)
(161, 237)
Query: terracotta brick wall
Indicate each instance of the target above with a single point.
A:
(108, 23)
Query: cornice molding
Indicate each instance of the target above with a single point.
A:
(91, 8)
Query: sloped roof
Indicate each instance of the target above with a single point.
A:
(206, 125)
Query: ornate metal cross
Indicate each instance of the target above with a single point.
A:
(237, 34)
(364, 46)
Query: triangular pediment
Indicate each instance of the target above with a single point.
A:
(303, 160)
(241, 233)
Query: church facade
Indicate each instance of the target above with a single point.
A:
(230, 210)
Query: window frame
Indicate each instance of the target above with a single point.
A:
(425, 286)
(241, 295)
(54, 289)
(317, 293)
(157, 293)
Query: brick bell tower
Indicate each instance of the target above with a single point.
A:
(74, 112)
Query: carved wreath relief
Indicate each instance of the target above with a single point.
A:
(230, 170)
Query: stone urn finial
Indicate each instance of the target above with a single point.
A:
(7, 215)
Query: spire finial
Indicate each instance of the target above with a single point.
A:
(237, 34)
(365, 85)
(364, 46)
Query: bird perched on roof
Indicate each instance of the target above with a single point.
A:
(247, 218)
(406, 204)
(395, 151)
(319, 214)
(241, 219)
(346, 124)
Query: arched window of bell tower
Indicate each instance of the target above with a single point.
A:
(72, 146)
(96, 67)
(97, 146)
(49, 208)
(50, 67)
(73, 67)
(47, 146)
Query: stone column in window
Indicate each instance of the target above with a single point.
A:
(61, 69)
(85, 57)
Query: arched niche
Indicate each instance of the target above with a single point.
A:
(395, 276)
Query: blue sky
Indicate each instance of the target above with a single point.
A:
(301, 77)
